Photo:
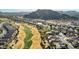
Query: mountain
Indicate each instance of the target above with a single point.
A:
(48, 14)
(70, 13)
(13, 13)
(43, 14)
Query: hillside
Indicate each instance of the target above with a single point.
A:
(48, 14)
(70, 13)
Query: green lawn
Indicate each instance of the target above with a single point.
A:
(1, 31)
(28, 41)
(1, 21)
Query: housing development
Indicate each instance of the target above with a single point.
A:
(40, 29)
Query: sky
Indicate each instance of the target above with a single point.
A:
(29, 10)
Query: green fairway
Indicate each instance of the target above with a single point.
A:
(28, 41)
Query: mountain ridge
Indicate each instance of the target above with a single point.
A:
(48, 14)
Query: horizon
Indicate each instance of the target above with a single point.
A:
(31, 10)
